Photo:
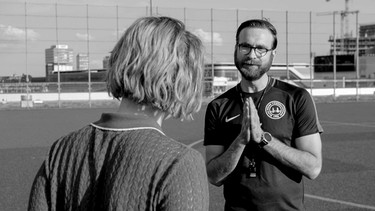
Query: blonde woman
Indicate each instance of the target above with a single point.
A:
(124, 161)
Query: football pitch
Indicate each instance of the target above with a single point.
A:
(345, 183)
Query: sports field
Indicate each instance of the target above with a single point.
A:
(347, 181)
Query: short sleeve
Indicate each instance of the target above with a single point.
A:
(306, 118)
(210, 124)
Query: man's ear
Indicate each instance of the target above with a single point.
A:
(273, 55)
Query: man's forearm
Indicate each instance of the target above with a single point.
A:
(221, 166)
(302, 161)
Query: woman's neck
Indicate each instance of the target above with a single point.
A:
(130, 107)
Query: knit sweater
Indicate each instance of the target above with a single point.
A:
(120, 163)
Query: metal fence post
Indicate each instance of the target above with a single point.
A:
(311, 54)
(286, 46)
(151, 8)
(88, 52)
(58, 62)
(117, 28)
(334, 56)
(212, 49)
(357, 54)
(185, 15)
(26, 59)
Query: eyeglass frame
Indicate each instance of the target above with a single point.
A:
(257, 53)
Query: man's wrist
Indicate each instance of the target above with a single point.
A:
(241, 141)
(265, 139)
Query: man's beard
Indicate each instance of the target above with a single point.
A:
(253, 72)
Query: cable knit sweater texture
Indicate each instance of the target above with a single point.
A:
(120, 166)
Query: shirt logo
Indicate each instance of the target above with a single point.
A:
(231, 118)
(275, 110)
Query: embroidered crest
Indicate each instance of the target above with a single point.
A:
(275, 110)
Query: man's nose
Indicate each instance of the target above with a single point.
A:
(252, 53)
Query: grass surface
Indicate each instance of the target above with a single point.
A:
(346, 182)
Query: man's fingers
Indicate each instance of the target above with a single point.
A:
(255, 124)
(246, 111)
(252, 105)
(245, 130)
(248, 108)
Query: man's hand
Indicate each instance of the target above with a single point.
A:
(245, 134)
(256, 130)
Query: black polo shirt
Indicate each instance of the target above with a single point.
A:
(285, 111)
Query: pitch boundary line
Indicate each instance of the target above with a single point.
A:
(348, 124)
(313, 196)
(341, 202)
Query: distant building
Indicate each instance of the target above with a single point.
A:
(367, 30)
(346, 60)
(367, 66)
(97, 75)
(105, 62)
(348, 45)
(59, 58)
(82, 61)
(367, 61)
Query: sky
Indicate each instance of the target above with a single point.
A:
(13, 33)
(364, 6)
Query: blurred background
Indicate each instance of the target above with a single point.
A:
(58, 51)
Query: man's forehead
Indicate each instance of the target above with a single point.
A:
(256, 34)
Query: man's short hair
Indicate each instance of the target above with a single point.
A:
(258, 23)
(158, 62)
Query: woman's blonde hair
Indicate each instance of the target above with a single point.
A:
(158, 62)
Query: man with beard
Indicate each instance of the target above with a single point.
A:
(263, 135)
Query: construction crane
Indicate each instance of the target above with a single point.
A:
(344, 36)
(344, 26)
(344, 20)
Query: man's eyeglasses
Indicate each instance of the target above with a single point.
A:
(246, 49)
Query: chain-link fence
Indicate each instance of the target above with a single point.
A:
(316, 50)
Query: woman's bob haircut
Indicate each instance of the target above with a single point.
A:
(158, 62)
